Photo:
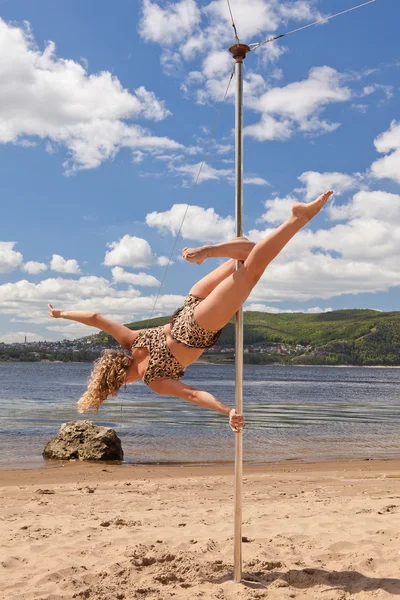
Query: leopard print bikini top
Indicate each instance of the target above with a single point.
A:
(162, 363)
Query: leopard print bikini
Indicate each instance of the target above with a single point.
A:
(162, 363)
(185, 330)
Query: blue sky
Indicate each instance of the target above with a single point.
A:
(105, 111)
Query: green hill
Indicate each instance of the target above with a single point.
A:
(354, 337)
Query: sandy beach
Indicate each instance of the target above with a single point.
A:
(108, 532)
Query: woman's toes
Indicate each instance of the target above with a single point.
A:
(325, 196)
(308, 211)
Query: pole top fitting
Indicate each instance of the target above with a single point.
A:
(239, 51)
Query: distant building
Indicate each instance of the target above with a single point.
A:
(283, 350)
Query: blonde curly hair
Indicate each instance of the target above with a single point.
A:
(107, 378)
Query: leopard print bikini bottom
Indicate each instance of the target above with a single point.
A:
(185, 330)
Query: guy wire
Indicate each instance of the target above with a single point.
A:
(233, 23)
(192, 192)
(277, 37)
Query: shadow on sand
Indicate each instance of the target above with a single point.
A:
(346, 581)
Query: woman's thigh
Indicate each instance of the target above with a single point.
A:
(205, 286)
(225, 300)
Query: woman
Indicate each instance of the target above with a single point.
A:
(159, 356)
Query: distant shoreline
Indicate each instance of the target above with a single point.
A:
(210, 364)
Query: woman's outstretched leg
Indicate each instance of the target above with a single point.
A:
(227, 297)
(237, 249)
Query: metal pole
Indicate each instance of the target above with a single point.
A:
(239, 52)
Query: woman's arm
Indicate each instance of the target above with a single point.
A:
(122, 334)
(169, 387)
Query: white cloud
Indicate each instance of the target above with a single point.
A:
(389, 166)
(18, 337)
(26, 302)
(58, 291)
(252, 17)
(152, 107)
(168, 25)
(202, 32)
(192, 31)
(57, 100)
(141, 279)
(34, 268)
(190, 173)
(27, 144)
(61, 265)
(297, 106)
(217, 64)
(202, 225)
(371, 89)
(269, 128)
(224, 148)
(372, 231)
(317, 310)
(10, 259)
(194, 78)
(208, 173)
(138, 157)
(299, 11)
(278, 210)
(276, 311)
(255, 181)
(132, 252)
(255, 17)
(318, 275)
(270, 54)
(69, 330)
(318, 183)
(362, 108)
(390, 139)
(362, 240)
(163, 261)
(357, 256)
(379, 205)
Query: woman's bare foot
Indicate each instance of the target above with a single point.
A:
(308, 211)
(196, 255)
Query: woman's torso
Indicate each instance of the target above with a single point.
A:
(183, 354)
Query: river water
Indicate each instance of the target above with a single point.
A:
(298, 414)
